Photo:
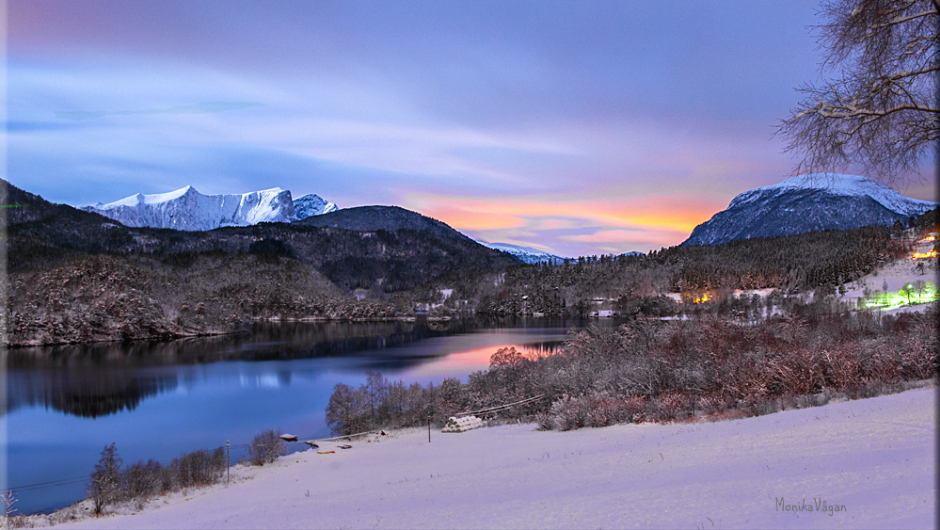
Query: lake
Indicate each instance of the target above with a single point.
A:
(158, 400)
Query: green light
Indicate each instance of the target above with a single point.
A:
(906, 296)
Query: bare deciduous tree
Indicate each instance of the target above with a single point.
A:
(105, 484)
(880, 110)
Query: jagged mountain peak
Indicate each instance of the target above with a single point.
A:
(187, 209)
(310, 205)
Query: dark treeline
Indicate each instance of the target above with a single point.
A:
(381, 261)
(649, 369)
(794, 263)
(790, 264)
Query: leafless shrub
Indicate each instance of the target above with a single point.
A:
(266, 448)
(201, 467)
(801, 372)
(9, 499)
(670, 406)
(142, 479)
(668, 371)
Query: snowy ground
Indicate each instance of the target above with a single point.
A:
(871, 461)
(897, 275)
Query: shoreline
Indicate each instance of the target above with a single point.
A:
(164, 338)
(911, 308)
(872, 456)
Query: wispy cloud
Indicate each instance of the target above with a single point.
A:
(199, 108)
(577, 128)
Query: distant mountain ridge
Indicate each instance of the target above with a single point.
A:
(526, 254)
(808, 203)
(131, 283)
(389, 218)
(187, 209)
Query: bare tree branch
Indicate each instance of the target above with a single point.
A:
(882, 109)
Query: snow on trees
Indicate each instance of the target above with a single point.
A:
(880, 110)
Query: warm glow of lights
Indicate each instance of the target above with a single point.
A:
(930, 238)
(924, 255)
(693, 298)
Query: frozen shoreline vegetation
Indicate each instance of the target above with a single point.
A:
(668, 371)
(870, 461)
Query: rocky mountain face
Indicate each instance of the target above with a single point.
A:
(187, 209)
(310, 205)
(808, 203)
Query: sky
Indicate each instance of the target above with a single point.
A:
(578, 128)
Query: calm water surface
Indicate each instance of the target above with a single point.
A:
(157, 400)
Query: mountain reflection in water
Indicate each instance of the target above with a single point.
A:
(85, 393)
(160, 399)
(93, 380)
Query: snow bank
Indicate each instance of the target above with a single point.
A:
(870, 461)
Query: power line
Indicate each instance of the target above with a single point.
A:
(48, 484)
(76, 480)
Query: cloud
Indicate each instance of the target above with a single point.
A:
(623, 236)
(577, 224)
(562, 126)
(199, 108)
(676, 212)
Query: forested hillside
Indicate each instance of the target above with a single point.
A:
(76, 276)
(790, 264)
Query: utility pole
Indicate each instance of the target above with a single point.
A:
(429, 427)
(228, 460)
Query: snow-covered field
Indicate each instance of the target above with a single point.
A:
(897, 274)
(859, 464)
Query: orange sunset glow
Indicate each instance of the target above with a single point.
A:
(566, 222)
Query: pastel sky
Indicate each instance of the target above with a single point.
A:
(576, 127)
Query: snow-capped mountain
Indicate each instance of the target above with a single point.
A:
(808, 203)
(527, 254)
(187, 209)
(310, 205)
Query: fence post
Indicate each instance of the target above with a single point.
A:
(228, 460)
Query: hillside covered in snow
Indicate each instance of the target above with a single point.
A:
(857, 464)
(808, 203)
(526, 254)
